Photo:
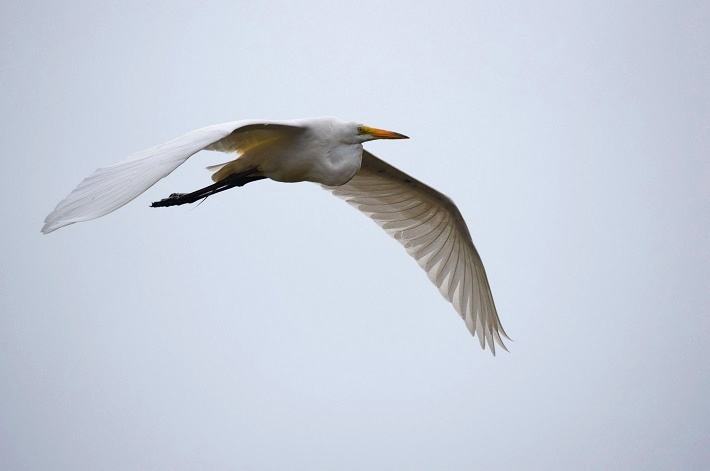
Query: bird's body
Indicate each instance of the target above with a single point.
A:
(317, 150)
(327, 151)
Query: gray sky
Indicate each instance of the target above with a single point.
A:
(274, 327)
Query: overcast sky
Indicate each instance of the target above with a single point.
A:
(275, 327)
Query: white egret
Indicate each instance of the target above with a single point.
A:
(321, 150)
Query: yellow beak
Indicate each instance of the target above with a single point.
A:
(381, 133)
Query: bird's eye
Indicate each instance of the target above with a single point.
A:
(359, 130)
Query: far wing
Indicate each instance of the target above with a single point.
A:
(109, 188)
(430, 227)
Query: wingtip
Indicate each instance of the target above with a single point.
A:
(498, 341)
(47, 228)
(51, 226)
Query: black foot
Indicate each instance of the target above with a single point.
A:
(172, 200)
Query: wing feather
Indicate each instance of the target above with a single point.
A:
(430, 227)
(109, 188)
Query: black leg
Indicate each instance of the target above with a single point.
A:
(237, 179)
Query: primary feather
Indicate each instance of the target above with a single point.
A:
(430, 227)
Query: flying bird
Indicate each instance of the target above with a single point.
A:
(327, 151)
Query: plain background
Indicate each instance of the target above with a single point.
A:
(274, 327)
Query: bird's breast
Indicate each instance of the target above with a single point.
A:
(328, 165)
(340, 165)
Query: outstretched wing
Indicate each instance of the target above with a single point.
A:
(430, 227)
(109, 188)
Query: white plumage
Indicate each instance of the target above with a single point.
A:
(321, 150)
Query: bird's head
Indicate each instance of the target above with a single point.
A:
(344, 132)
